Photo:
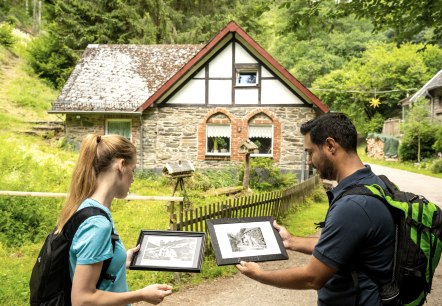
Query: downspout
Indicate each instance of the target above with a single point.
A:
(141, 142)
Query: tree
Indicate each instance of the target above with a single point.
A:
(385, 72)
(417, 20)
(419, 133)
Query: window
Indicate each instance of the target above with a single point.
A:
(218, 139)
(121, 127)
(262, 136)
(246, 75)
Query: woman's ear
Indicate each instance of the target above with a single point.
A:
(121, 163)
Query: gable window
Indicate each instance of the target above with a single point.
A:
(262, 136)
(218, 139)
(246, 75)
(121, 127)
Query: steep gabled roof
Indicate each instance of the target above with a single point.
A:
(232, 30)
(436, 81)
(130, 78)
(120, 78)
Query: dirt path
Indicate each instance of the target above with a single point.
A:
(241, 291)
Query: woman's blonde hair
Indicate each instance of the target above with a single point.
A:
(96, 155)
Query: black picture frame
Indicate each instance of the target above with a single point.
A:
(249, 239)
(169, 251)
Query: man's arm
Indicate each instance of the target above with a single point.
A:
(312, 276)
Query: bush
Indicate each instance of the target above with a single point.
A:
(6, 37)
(265, 176)
(436, 167)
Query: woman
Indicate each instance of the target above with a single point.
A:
(104, 171)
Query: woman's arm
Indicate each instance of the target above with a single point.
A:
(84, 291)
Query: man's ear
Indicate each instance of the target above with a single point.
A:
(331, 145)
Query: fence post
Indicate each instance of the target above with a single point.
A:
(173, 219)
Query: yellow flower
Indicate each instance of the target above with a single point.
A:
(375, 102)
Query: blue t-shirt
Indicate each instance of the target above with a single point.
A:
(92, 243)
(358, 236)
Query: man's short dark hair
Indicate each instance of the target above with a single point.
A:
(335, 125)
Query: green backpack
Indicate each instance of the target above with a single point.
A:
(418, 244)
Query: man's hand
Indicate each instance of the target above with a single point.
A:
(249, 269)
(285, 235)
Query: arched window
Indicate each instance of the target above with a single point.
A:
(218, 135)
(261, 133)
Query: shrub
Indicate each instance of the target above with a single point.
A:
(6, 37)
(436, 167)
(265, 176)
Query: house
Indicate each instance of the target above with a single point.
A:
(432, 91)
(190, 102)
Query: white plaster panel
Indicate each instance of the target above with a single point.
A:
(192, 93)
(242, 56)
(201, 74)
(246, 96)
(221, 65)
(273, 92)
(266, 74)
(220, 91)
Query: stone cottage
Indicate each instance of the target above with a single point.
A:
(190, 102)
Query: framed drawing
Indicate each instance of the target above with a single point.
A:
(248, 239)
(169, 251)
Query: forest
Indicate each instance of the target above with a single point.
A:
(348, 53)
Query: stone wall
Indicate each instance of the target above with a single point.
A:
(178, 133)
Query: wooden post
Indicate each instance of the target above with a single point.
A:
(173, 219)
(246, 179)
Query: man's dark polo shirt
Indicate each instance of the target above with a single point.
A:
(358, 235)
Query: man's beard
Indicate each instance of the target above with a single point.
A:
(326, 169)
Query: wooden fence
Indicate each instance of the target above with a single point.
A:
(276, 204)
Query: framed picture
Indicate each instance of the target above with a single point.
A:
(169, 251)
(248, 239)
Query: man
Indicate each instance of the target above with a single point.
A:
(353, 257)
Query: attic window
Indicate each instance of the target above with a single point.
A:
(246, 75)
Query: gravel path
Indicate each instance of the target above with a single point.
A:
(241, 291)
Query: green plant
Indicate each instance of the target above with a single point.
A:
(436, 166)
(264, 175)
(6, 37)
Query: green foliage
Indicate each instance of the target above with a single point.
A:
(265, 176)
(6, 37)
(437, 146)
(419, 133)
(384, 71)
(301, 221)
(436, 166)
(206, 179)
(408, 19)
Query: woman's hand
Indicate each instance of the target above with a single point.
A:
(156, 293)
(129, 254)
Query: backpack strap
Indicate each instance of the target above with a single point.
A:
(74, 223)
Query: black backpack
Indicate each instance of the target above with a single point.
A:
(50, 282)
(418, 242)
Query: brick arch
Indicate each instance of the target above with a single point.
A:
(277, 135)
(234, 123)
